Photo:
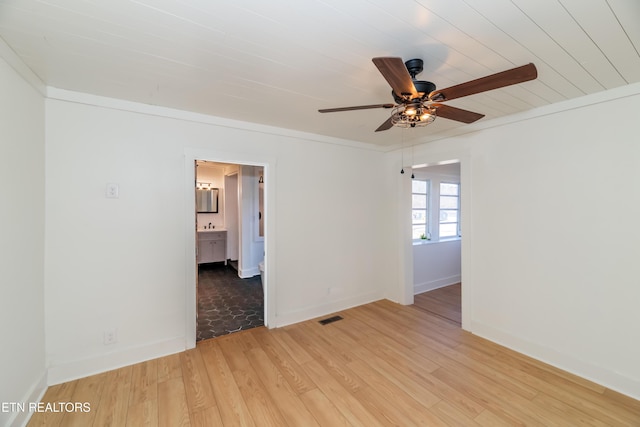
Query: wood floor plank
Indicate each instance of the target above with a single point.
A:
(333, 364)
(87, 390)
(54, 394)
(621, 400)
(413, 386)
(196, 381)
(287, 365)
(142, 414)
(290, 345)
(322, 409)
(259, 402)
(231, 405)
(261, 406)
(292, 408)
(493, 396)
(144, 382)
(173, 408)
(169, 367)
(489, 419)
(206, 417)
(445, 301)
(114, 399)
(397, 412)
(407, 408)
(345, 401)
(452, 416)
(561, 388)
(384, 364)
(563, 410)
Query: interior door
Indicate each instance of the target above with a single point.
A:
(231, 216)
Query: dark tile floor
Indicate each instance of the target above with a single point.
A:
(227, 303)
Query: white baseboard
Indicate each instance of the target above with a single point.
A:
(597, 374)
(82, 368)
(435, 284)
(245, 273)
(297, 316)
(34, 394)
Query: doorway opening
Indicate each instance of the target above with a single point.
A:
(436, 234)
(230, 248)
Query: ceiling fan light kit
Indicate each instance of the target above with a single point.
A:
(418, 102)
(412, 115)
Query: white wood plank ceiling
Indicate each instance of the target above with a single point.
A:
(277, 62)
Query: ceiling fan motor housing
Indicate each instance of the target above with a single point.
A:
(423, 88)
(415, 67)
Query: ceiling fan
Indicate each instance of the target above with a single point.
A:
(418, 102)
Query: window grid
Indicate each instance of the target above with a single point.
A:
(420, 200)
(449, 223)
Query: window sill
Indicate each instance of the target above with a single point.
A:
(431, 242)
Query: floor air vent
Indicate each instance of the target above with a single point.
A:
(329, 320)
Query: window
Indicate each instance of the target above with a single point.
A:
(449, 210)
(420, 208)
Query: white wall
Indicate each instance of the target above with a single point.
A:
(549, 256)
(22, 358)
(122, 263)
(435, 265)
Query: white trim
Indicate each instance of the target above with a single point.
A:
(436, 284)
(21, 68)
(546, 110)
(189, 116)
(268, 162)
(34, 394)
(308, 313)
(605, 377)
(406, 244)
(75, 369)
(245, 273)
(418, 242)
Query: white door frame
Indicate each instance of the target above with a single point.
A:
(406, 248)
(269, 285)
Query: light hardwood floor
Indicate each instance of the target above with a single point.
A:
(444, 302)
(383, 364)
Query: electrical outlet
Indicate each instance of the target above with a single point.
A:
(110, 336)
(113, 191)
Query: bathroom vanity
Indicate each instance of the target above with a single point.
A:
(212, 246)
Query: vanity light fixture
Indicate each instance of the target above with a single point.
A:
(203, 185)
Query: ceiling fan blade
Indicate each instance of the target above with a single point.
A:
(359, 107)
(483, 84)
(457, 114)
(386, 125)
(396, 74)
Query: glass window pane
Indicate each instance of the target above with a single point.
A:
(448, 216)
(449, 189)
(448, 230)
(418, 230)
(419, 216)
(448, 202)
(419, 201)
(418, 186)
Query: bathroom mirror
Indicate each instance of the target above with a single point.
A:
(207, 200)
